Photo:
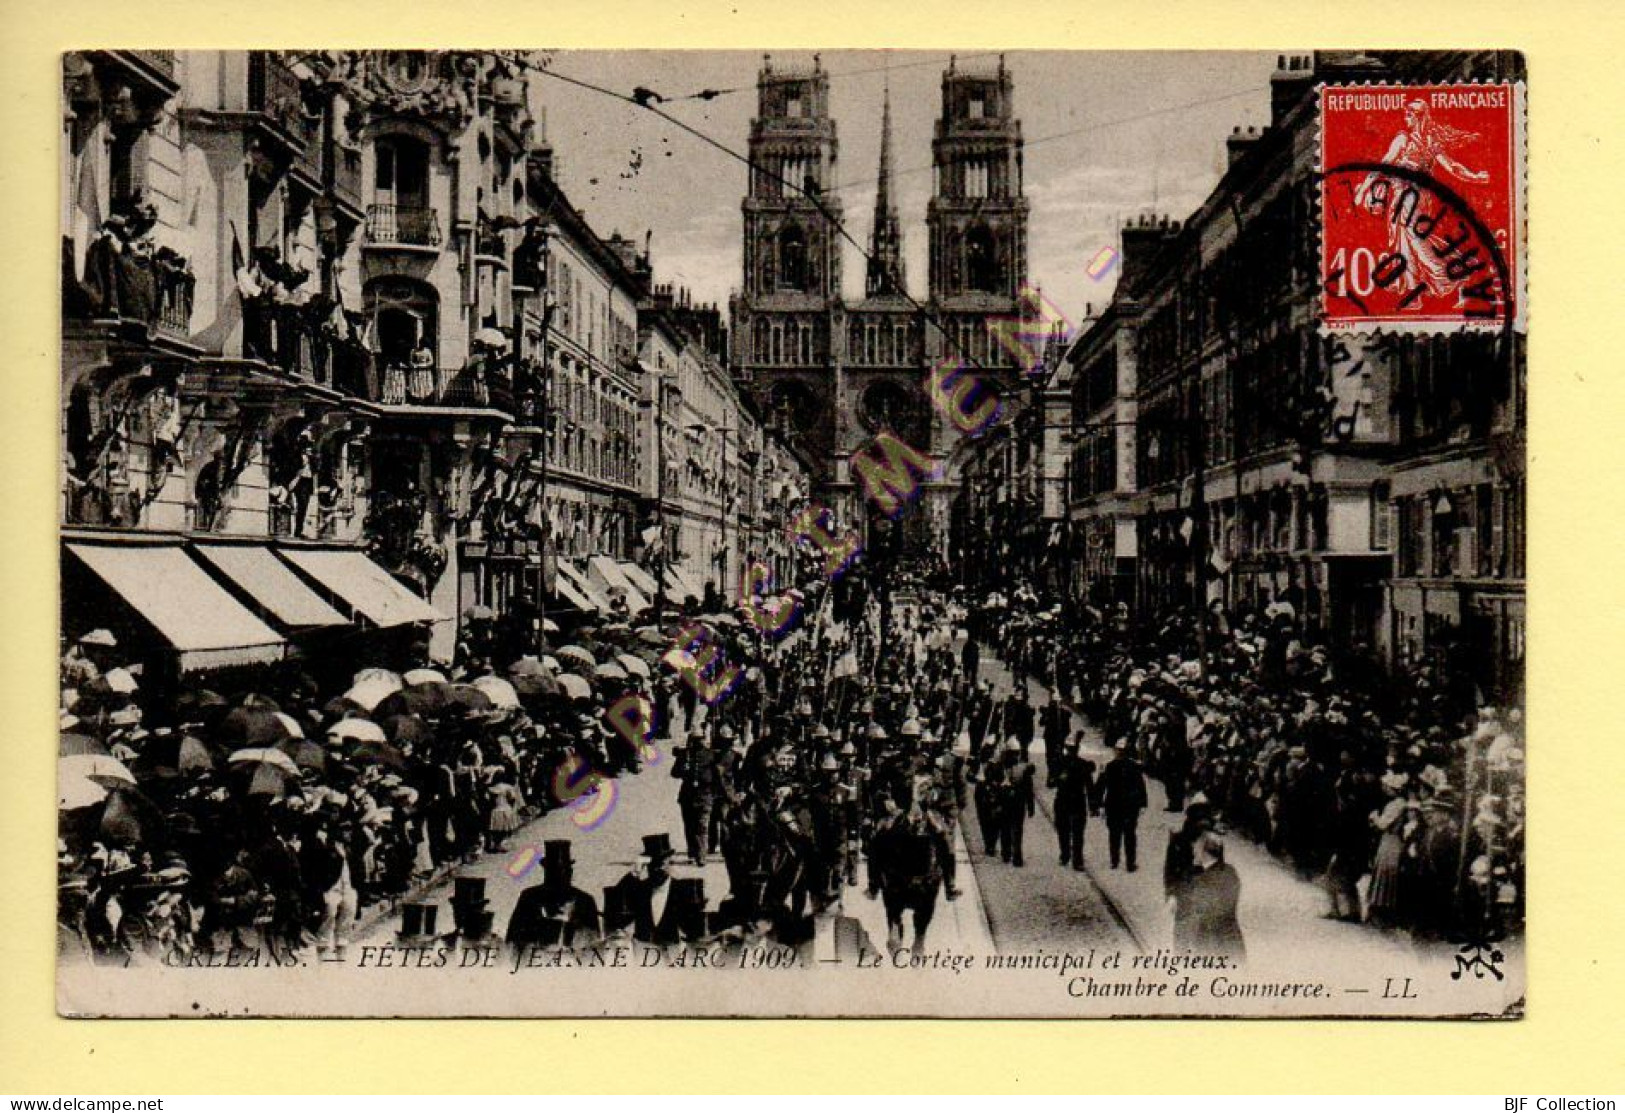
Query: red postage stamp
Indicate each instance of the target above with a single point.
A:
(1421, 213)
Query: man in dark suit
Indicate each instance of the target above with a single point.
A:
(658, 908)
(1205, 917)
(1074, 790)
(1020, 802)
(696, 767)
(1019, 719)
(1123, 798)
(554, 912)
(1056, 722)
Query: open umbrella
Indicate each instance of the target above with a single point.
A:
(466, 697)
(578, 655)
(479, 612)
(249, 726)
(121, 681)
(408, 730)
(200, 705)
(362, 730)
(268, 780)
(74, 792)
(368, 694)
(610, 671)
(634, 665)
(129, 817)
(179, 753)
(264, 755)
(549, 626)
(424, 676)
(305, 753)
(257, 702)
(375, 753)
(419, 699)
(104, 770)
(648, 635)
(534, 689)
(383, 676)
(499, 691)
(530, 666)
(340, 707)
(70, 744)
(574, 686)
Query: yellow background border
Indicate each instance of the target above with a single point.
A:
(1568, 1044)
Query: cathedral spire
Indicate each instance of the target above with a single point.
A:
(885, 272)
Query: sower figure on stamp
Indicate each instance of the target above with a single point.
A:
(1123, 798)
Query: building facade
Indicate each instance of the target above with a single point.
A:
(836, 372)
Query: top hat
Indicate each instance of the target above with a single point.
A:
(657, 848)
(418, 919)
(468, 892)
(556, 854)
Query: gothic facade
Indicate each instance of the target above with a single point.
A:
(838, 372)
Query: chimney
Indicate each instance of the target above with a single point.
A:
(1239, 141)
(1142, 239)
(1294, 75)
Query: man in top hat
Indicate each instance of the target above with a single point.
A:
(1020, 801)
(659, 908)
(554, 912)
(471, 914)
(418, 924)
(1123, 797)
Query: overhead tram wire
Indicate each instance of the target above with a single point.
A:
(712, 94)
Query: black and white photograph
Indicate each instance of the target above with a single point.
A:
(871, 533)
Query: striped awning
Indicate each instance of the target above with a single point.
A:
(271, 584)
(365, 586)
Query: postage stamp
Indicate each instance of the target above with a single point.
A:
(1421, 207)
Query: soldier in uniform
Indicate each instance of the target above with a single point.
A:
(1123, 796)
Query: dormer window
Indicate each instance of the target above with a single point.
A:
(792, 106)
(975, 107)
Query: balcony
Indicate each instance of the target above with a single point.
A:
(490, 247)
(274, 93)
(403, 225)
(152, 289)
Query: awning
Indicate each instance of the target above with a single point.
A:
(639, 578)
(596, 601)
(271, 584)
(615, 583)
(566, 591)
(684, 586)
(374, 593)
(206, 626)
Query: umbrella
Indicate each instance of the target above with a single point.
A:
(491, 337)
(200, 705)
(634, 665)
(269, 780)
(467, 697)
(361, 730)
(257, 702)
(425, 676)
(69, 744)
(305, 754)
(257, 727)
(101, 768)
(530, 666)
(532, 688)
(479, 612)
(408, 730)
(419, 699)
(368, 694)
(383, 676)
(551, 662)
(340, 707)
(180, 753)
(121, 681)
(75, 792)
(719, 619)
(498, 690)
(130, 817)
(265, 755)
(375, 753)
(549, 626)
(574, 686)
(648, 635)
(610, 671)
(578, 655)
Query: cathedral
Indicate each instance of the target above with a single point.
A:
(837, 372)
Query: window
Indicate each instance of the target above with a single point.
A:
(793, 261)
(981, 260)
(1381, 517)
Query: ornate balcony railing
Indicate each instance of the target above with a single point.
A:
(403, 224)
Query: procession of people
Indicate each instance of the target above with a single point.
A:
(843, 759)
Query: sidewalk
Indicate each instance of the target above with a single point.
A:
(1282, 915)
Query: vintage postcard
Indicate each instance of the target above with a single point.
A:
(872, 533)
